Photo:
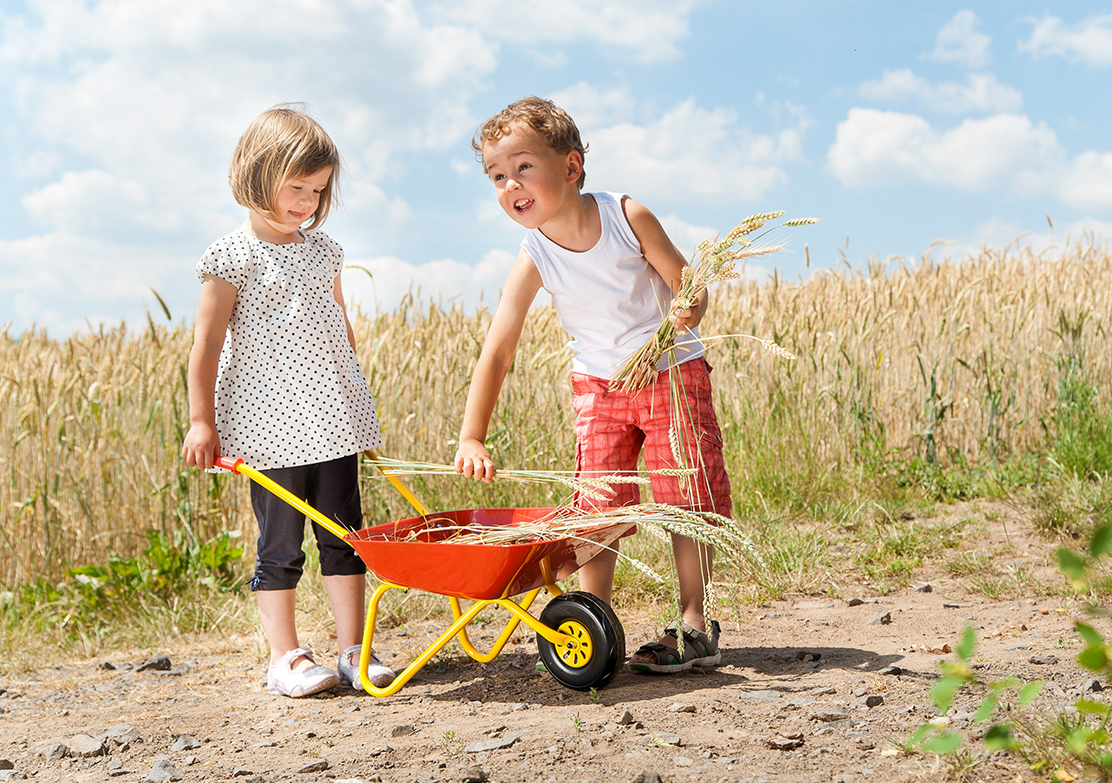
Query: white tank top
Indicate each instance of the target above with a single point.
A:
(609, 298)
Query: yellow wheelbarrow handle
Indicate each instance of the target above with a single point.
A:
(239, 466)
(399, 485)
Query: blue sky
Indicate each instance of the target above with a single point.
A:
(899, 125)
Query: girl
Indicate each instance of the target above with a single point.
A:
(284, 392)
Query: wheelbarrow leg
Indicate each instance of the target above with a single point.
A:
(442, 640)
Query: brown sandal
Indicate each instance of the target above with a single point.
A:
(699, 649)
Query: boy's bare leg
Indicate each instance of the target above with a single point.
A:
(694, 562)
(346, 594)
(597, 574)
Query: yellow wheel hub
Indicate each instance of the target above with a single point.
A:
(576, 653)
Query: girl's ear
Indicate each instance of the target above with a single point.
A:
(575, 165)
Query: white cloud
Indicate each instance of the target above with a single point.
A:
(642, 30)
(444, 281)
(65, 284)
(1087, 183)
(1088, 42)
(593, 107)
(1049, 241)
(980, 93)
(687, 153)
(959, 41)
(873, 148)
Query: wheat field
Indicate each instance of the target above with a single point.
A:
(937, 361)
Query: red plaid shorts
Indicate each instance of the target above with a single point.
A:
(612, 427)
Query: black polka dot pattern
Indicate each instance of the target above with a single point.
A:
(290, 390)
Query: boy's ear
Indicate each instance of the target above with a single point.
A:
(575, 165)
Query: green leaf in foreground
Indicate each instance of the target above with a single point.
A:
(1000, 737)
(967, 643)
(943, 690)
(946, 742)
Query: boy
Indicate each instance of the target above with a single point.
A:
(609, 267)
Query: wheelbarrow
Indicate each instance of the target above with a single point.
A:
(580, 639)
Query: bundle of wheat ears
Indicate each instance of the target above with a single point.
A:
(568, 521)
(714, 262)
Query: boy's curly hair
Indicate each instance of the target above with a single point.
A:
(280, 144)
(553, 124)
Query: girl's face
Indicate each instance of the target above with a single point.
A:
(532, 179)
(297, 200)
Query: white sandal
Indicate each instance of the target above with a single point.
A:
(282, 679)
(378, 673)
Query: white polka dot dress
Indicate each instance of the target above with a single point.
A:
(289, 389)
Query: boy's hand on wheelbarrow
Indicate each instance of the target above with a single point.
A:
(201, 446)
(473, 461)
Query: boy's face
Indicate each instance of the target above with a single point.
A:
(532, 180)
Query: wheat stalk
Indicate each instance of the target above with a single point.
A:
(714, 262)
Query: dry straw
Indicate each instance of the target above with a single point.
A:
(567, 521)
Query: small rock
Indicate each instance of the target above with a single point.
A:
(882, 618)
(891, 671)
(493, 744)
(804, 655)
(106, 666)
(828, 716)
(53, 752)
(13, 774)
(626, 718)
(951, 606)
(317, 766)
(874, 701)
(473, 775)
(680, 706)
(667, 739)
(241, 772)
(162, 771)
(6, 764)
(924, 588)
(785, 741)
(84, 746)
(648, 777)
(854, 602)
(158, 662)
(403, 730)
(1092, 686)
(184, 743)
(761, 697)
(1044, 659)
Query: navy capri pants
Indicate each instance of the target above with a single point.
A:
(332, 488)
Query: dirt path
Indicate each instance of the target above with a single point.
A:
(810, 689)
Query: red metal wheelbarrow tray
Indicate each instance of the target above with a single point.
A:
(418, 553)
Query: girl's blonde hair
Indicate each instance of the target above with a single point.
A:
(554, 125)
(280, 144)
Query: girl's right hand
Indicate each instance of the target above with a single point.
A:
(473, 461)
(201, 447)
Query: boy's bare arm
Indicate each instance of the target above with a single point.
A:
(664, 257)
(472, 458)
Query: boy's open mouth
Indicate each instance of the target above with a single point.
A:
(523, 204)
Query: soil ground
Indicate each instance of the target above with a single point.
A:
(811, 688)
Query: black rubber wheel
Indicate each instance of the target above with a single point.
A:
(592, 660)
